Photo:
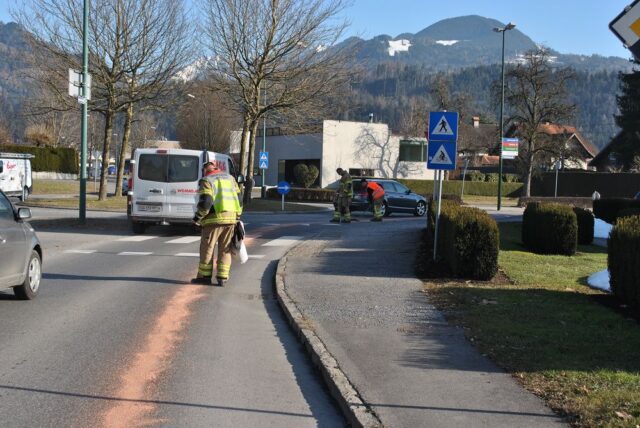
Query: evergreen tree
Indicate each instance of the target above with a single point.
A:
(629, 117)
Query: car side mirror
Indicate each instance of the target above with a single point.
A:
(408, 191)
(240, 179)
(24, 213)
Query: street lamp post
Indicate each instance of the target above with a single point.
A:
(206, 124)
(503, 30)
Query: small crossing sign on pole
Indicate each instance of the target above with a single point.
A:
(442, 155)
(443, 126)
(264, 160)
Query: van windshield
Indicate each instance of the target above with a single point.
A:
(168, 168)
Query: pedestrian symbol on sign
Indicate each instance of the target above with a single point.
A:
(443, 128)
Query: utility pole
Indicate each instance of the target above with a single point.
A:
(83, 114)
(263, 190)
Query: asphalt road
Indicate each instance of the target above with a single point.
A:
(119, 337)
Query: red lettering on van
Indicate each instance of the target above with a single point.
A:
(187, 190)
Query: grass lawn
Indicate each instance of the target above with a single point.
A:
(548, 329)
(490, 200)
(112, 203)
(56, 187)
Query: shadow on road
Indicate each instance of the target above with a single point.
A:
(135, 279)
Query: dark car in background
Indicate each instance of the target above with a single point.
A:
(398, 198)
(20, 251)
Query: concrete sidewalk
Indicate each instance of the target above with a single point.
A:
(355, 289)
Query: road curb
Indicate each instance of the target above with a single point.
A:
(357, 413)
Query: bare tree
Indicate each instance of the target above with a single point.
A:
(278, 47)
(144, 128)
(536, 94)
(157, 45)
(204, 122)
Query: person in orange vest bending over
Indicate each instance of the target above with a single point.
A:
(375, 192)
(217, 212)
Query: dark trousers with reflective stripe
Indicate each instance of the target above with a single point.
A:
(212, 235)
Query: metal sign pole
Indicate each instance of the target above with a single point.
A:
(464, 175)
(83, 115)
(435, 237)
(283, 202)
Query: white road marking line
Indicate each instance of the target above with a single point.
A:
(344, 250)
(188, 255)
(80, 251)
(135, 253)
(137, 238)
(331, 224)
(256, 256)
(283, 241)
(305, 224)
(184, 240)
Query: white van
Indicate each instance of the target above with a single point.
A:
(15, 174)
(163, 185)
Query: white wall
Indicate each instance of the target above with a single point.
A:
(287, 147)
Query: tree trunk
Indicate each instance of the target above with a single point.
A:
(244, 138)
(250, 161)
(108, 128)
(527, 177)
(125, 145)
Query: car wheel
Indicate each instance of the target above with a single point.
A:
(29, 288)
(138, 228)
(421, 209)
(385, 209)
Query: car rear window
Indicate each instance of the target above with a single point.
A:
(388, 186)
(168, 168)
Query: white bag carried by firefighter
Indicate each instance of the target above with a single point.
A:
(238, 248)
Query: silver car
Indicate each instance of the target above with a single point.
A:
(20, 251)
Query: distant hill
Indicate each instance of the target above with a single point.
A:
(466, 41)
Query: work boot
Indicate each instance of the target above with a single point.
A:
(201, 281)
(221, 282)
(376, 219)
(346, 221)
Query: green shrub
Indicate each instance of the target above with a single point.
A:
(49, 159)
(305, 175)
(475, 188)
(467, 240)
(550, 229)
(585, 225)
(624, 261)
(627, 212)
(432, 208)
(300, 194)
(607, 209)
(474, 175)
(510, 178)
(491, 177)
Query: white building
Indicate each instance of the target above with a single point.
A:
(367, 149)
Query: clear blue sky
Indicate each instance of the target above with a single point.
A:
(569, 26)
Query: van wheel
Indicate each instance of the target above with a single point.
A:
(29, 288)
(138, 228)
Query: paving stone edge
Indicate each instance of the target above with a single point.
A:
(357, 413)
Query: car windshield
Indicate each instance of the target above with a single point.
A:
(168, 168)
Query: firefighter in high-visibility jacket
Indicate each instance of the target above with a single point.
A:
(217, 212)
(375, 194)
(343, 197)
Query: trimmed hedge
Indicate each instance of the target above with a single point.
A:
(49, 159)
(300, 194)
(564, 200)
(550, 229)
(432, 207)
(608, 209)
(585, 225)
(468, 240)
(624, 261)
(475, 188)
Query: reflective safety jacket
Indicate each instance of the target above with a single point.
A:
(219, 202)
(345, 188)
(375, 190)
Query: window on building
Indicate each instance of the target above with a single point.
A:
(412, 151)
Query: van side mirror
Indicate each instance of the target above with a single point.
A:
(24, 213)
(240, 179)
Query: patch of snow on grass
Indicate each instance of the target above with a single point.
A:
(600, 281)
(601, 229)
(396, 46)
(447, 42)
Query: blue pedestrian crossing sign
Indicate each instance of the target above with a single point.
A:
(441, 155)
(443, 126)
(264, 160)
